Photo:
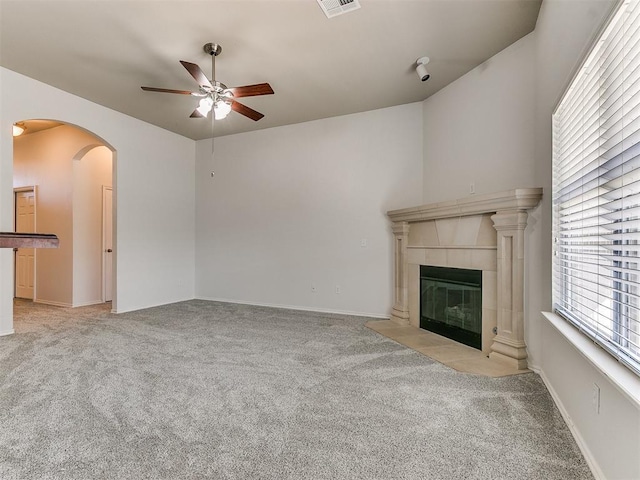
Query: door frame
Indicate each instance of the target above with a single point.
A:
(16, 190)
(106, 188)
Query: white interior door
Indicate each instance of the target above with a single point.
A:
(107, 243)
(25, 257)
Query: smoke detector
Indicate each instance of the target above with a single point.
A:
(333, 8)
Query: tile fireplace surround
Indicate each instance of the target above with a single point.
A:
(480, 232)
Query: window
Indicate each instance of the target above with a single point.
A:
(596, 192)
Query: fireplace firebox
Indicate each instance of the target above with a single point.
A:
(451, 303)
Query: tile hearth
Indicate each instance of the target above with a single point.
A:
(448, 352)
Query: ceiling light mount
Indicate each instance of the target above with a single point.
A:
(421, 69)
(212, 49)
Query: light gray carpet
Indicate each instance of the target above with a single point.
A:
(211, 390)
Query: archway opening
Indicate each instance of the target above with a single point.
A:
(67, 173)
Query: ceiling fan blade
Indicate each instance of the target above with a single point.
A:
(197, 73)
(246, 111)
(166, 90)
(252, 90)
(196, 114)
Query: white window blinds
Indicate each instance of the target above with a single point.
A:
(596, 192)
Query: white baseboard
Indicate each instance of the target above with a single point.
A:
(593, 465)
(10, 332)
(87, 304)
(52, 303)
(68, 305)
(296, 307)
(135, 309)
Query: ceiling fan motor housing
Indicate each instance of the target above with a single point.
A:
(212, 49)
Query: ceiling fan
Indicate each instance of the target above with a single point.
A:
(215, 95)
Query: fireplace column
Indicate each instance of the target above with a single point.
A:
(400, 311)
(508, 345)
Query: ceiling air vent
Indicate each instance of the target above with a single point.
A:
(332, 8)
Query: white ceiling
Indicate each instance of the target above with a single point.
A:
(104, 50)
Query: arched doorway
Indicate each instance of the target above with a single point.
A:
(70, 172)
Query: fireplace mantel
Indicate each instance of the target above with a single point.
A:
(519, 199)
(484, 232)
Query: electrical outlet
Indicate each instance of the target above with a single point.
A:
(595, 398)
(338, 290)
(313, 288)
(363, 242)
(472, 188)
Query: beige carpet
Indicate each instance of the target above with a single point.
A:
(210, 390)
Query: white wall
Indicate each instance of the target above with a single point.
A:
(611, 439)
(153, 194)
(493, 127)
(288, 208)
(91, 172)
(479, 129)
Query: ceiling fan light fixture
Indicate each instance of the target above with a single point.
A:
(222, 109)
(18, 129)
(205, 105)
(214, 94)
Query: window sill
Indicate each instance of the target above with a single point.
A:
(620, 376)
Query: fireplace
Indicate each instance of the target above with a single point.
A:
(480, 232)
(451, 303)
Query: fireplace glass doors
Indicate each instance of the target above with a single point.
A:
(451, 303)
